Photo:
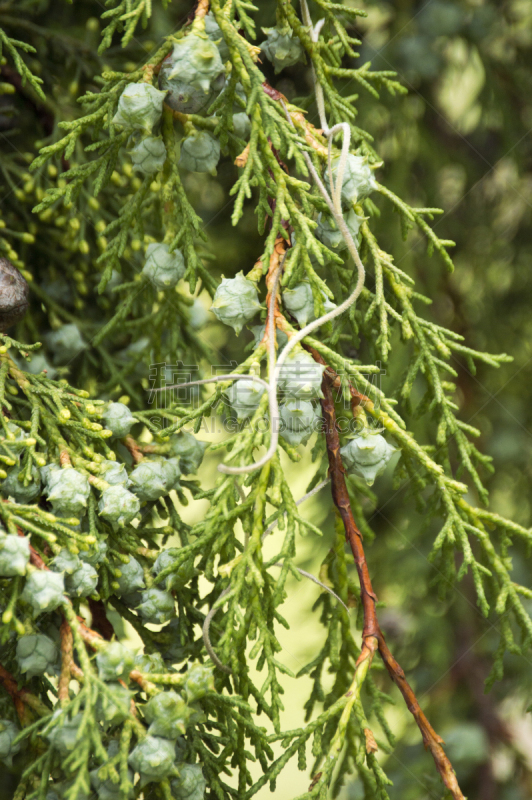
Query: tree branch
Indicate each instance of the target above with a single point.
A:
(68, 667)
(21, 697)
(371, 633)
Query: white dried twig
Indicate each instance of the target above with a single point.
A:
(335, 206)
(306, 496)
(334, 202)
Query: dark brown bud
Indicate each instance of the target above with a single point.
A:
(14, 292)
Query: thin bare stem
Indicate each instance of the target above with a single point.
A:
(215, 379)
(317, 581)
(208, 619)
(306, 496)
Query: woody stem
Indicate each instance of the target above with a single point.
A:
(371, 632)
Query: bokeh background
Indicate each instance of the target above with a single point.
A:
(460, 140)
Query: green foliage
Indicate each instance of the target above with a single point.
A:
(93, 479)
(10, 47)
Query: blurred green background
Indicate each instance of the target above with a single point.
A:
(460, 140)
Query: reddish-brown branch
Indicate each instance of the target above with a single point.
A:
(76, 672)
(371, 631)
(67, 658)
(22, 699)
(242, 159)
(149, 71)
(133, 448)
(143, 682)
(148, 448)
(358, 400)
(17, 695)
(64, 459)
(371, 744)
(132, 704)
(90, 637)
(35, 558)
(202, 9)
(313, 136)
(341, 500)
(273, 93)
(275, 260)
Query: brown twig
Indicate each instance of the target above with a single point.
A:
(371, 632)
(10, 685)
(90, 637)
(64, 459)
(132, 704)
(242, 159)
(273, 93)
(21, 697)
(314, 780)
(149, 71)
(371, 744)
(133, 448)
(35, 558)
(202, 9)
(143, 682)
(341, 500)
(279, 250)
(313, 136)
(69, 668)
(358, 400)
(67, 659)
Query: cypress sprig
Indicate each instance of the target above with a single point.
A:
(95, 477)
